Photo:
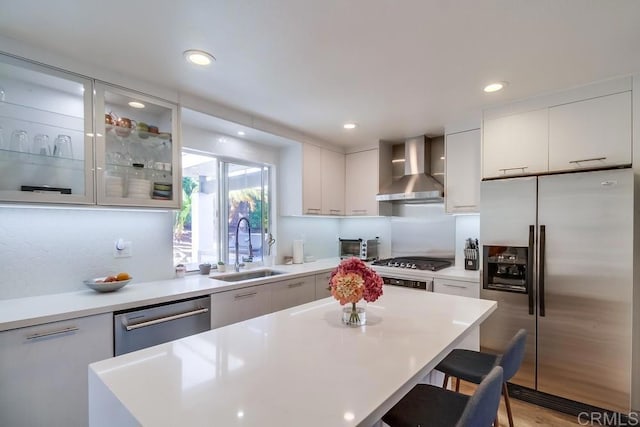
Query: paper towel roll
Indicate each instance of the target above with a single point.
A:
(298, 251)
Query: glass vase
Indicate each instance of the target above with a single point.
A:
(354, 315)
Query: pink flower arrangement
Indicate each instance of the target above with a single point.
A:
(353, 280)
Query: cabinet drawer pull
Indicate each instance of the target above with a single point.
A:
(48, 334)
(240, 296)
(313, 210)
(358, 211)
(504, 170)
(595, 159)
(465, 206)
(454, 286)
(165, 319)
(294, 285)
(335, 211)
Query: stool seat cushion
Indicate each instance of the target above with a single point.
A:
(468, 365)
(427, 405)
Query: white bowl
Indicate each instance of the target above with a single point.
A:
(105, 286)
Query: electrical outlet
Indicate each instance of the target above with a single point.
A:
(122, 249)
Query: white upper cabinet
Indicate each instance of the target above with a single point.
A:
(516, 144)
(462, 169)
(311, 180)
(591, 133)
(588, 127)
(54, 150)
(136, 150)
(46, 134)
(333, 176)
(362, 183)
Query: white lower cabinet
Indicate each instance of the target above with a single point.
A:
(43, 371)
(238, 305)
(322, 285)
(290, 293)
(463, 289)
(472, 341)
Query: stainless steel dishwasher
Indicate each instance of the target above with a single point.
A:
(147, 326)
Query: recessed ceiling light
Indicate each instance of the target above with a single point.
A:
(199, 57)
(136, 104)
(350, 125)
(241, 133)
(494, 87)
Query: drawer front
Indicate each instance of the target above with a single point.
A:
(457, 287)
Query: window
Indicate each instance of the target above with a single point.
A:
(216, 194)
(247, 197)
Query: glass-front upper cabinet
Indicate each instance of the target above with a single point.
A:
(137, 155)
(46, 134)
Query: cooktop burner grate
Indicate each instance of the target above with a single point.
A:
(415, 263)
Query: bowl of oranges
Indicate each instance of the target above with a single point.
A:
(109, 283)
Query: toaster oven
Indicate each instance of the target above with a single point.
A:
(366, 250)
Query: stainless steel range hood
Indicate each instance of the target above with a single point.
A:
(423, 160)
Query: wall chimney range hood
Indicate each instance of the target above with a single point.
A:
(421, 179)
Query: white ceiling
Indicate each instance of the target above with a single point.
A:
(397, 68)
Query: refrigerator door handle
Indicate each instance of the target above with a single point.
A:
(532, 230)
(541, 270)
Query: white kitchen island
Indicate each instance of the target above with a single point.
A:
(296, 367)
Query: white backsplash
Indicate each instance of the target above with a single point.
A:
(320, 236)
(467, 226)
(49, 250)
(369, 228)
(422, 230)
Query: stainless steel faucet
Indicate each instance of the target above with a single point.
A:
(237, 263)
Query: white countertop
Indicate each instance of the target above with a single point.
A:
(23, 312)
(296, 367)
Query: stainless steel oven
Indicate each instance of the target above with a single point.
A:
(425, 285)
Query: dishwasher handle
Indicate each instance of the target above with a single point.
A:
(166, 319)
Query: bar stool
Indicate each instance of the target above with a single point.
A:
(427, 405)
(472, 366)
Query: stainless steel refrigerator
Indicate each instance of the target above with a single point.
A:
(558, 258)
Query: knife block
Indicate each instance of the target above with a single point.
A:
(471, 259)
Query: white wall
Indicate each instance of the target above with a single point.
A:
(227, 146)
(52, 250)
(320, 236)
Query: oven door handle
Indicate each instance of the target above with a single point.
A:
(430, 285)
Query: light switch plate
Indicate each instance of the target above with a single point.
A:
(122, 249)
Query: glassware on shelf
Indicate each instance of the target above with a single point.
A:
(62, 147)
(41, 145)
(19, 141)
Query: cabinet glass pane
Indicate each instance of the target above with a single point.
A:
(138, 155)
(45, 134)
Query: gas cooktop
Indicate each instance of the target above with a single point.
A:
(415, 263)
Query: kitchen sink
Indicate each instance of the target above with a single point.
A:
(248, 275)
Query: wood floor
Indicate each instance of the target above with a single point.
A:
(525, 414)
